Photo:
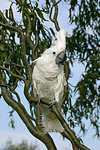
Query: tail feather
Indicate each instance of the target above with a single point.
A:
(52, 125)
(50, 121)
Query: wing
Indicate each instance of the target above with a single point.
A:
(34, 88)
(59, 91)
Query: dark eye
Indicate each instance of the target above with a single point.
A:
(54, 53)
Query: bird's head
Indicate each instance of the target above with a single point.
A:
(60, 44)
(56, 53)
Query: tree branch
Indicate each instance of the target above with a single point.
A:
(25, 61)
(11, 27)
(17, 65)
(19, 108)
(66, 135)
(7, 86)
(35, 45)
(68, 130)
(54, 20)
(3, 18)
(65, 125)
(13, 74)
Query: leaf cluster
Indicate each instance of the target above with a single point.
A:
(84, 46)
(36, 38)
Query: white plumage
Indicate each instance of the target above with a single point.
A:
(48, 79)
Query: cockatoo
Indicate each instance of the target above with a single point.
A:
(49, 80)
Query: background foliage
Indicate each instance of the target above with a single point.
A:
(21, 146)
(84, 45)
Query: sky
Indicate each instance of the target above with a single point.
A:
(21, 132)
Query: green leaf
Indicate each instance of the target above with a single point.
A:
(5, 58)
(1, 47)
(11, 17)
(11, 113)
(40, 14)
(12, 123)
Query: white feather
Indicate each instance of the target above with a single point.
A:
(48, 80)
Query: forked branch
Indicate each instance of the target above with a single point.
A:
(25, 117)
(73, 137)
(54, 19)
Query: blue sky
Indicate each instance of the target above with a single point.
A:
(20, 131)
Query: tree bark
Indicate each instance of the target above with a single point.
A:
(20, 109)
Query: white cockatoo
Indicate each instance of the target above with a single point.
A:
(49, 79)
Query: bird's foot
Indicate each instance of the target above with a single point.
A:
(52, 103)
(38, 101)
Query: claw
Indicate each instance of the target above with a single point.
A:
(38, 102)
(52, 103)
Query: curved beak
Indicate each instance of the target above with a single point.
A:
(61, 57)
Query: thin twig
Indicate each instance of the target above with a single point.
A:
(4, 19)
(17, 65)
(5, 85)
(54, 4)
(54, 20)
(33, 119)
(13, 74)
